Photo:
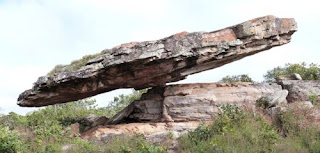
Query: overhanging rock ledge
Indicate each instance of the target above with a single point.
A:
(154, 63)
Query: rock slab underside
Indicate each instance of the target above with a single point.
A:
(154, 63)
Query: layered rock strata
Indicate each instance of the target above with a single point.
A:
(197, 102)
(154, 63)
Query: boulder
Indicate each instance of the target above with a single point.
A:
(302, 90)
(277, 98)
(153, 63)
(294, 76)
(92, 120)
(74, 130)
(196, 102)
(100, 121)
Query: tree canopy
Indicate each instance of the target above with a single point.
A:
(307, 72)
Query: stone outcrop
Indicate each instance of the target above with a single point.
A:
(154, 63)
(160, 133)
(91, 121)
(196, 102)
(170, 111)
(301, 90)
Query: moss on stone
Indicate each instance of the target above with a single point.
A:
(74, 65)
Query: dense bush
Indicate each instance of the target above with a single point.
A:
(236, 78)
(9, 141)
(298, 130)
(307, 72)
(12, 120)
(234, 130)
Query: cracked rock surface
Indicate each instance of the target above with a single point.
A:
(154, 63)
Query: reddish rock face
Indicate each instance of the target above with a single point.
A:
(154, 63)
(195, 102)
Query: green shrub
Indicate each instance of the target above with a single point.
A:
(236, 78)
(300, 134)
(9, 141)
(261, 102)
(82, 146)
(131, 144)
(13, 120)
(234, 130)
(314, 99)
(311, 72)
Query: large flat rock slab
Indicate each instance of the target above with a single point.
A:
(154, 63)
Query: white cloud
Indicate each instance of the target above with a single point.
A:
(14, 80)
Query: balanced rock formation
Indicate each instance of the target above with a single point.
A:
(154, 63)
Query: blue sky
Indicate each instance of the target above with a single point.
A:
(36, 35)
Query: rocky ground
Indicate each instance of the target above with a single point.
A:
(170, 111)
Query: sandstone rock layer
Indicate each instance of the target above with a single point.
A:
(195, 102)
(154, 63)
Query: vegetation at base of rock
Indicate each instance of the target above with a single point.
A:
(299, 132)
(135, 143)
(307, 72)
(261, 102)
(314, 99)
(238, 130)
(233, 130)
(236, 78)
(46, 130)
(74, 65)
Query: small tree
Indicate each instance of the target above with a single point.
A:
(236, 78)
(122, 101)
(311, 72)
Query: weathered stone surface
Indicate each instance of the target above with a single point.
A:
(163, 133)
(154, 63)
(301, 90)
(294, 76)
(92, 120)
(75, 130)
(196, 102)
(277, 98)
